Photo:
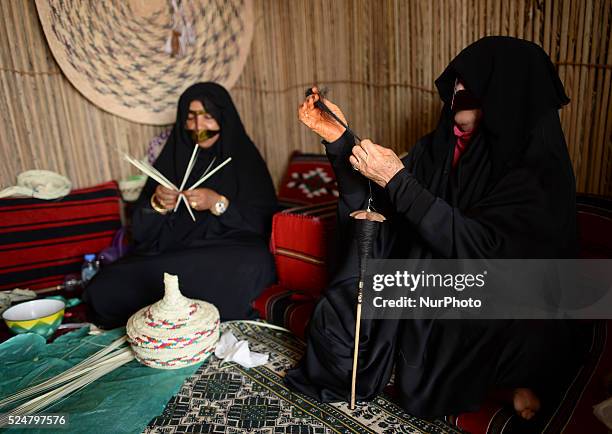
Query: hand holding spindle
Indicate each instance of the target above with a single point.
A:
(312, 114)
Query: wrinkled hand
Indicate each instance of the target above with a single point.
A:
(318, 121)
(166, 196)
(375, 162)
(201, 199)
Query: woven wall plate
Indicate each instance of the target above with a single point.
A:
(112, 51)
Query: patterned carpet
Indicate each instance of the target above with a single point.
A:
(226, 398)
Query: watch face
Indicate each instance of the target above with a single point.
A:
(220, 206)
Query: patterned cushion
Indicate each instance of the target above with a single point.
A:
(42, 241)
(301, 241)
(309, 179)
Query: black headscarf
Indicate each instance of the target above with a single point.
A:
(515, 179)
(516, 83)
(245, 181)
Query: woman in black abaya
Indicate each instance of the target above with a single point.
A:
(221, 257)
(494, 180)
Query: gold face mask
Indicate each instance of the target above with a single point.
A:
(200, 135)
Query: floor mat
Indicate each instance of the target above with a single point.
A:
(226, 398)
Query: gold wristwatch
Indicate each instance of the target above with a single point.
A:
(220, 206)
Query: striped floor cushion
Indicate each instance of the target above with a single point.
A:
(302, 239)
(286, 308)
(41, 241)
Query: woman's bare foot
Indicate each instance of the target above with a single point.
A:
(526, 403)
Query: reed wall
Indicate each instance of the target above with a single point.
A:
(379, 59)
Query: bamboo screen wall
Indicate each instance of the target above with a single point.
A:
(378, 58)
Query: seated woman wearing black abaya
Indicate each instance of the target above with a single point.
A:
(494, 180)
(222, 257)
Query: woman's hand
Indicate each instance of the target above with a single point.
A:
(320, 122)
(375, 162)
(201, 199)
(166, 197)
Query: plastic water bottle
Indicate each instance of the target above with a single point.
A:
(90, 268)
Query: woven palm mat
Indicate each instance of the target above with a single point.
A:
(231, 399)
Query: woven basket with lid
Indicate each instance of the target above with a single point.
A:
(174, 332)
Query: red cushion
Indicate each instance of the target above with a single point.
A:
(279, 306)
(492, 418)
(41, 241)
(300, 244)
(309, 179)
(573, 414)
(594, 232)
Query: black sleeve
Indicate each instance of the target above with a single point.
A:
(352, 186)
(253, 202)
(528, 212)
(244, 213)
(147, 224)
(446, 229)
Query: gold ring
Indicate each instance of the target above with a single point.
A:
(194, 204)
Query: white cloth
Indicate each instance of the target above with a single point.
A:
(41, 184)
(230, 349)
(9, 297)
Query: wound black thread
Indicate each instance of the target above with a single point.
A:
(366, 230)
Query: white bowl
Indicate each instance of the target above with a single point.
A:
(37, 316)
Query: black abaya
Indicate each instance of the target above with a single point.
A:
(220, 259)
(510, 196)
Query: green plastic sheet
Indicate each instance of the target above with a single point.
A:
(123, 401)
